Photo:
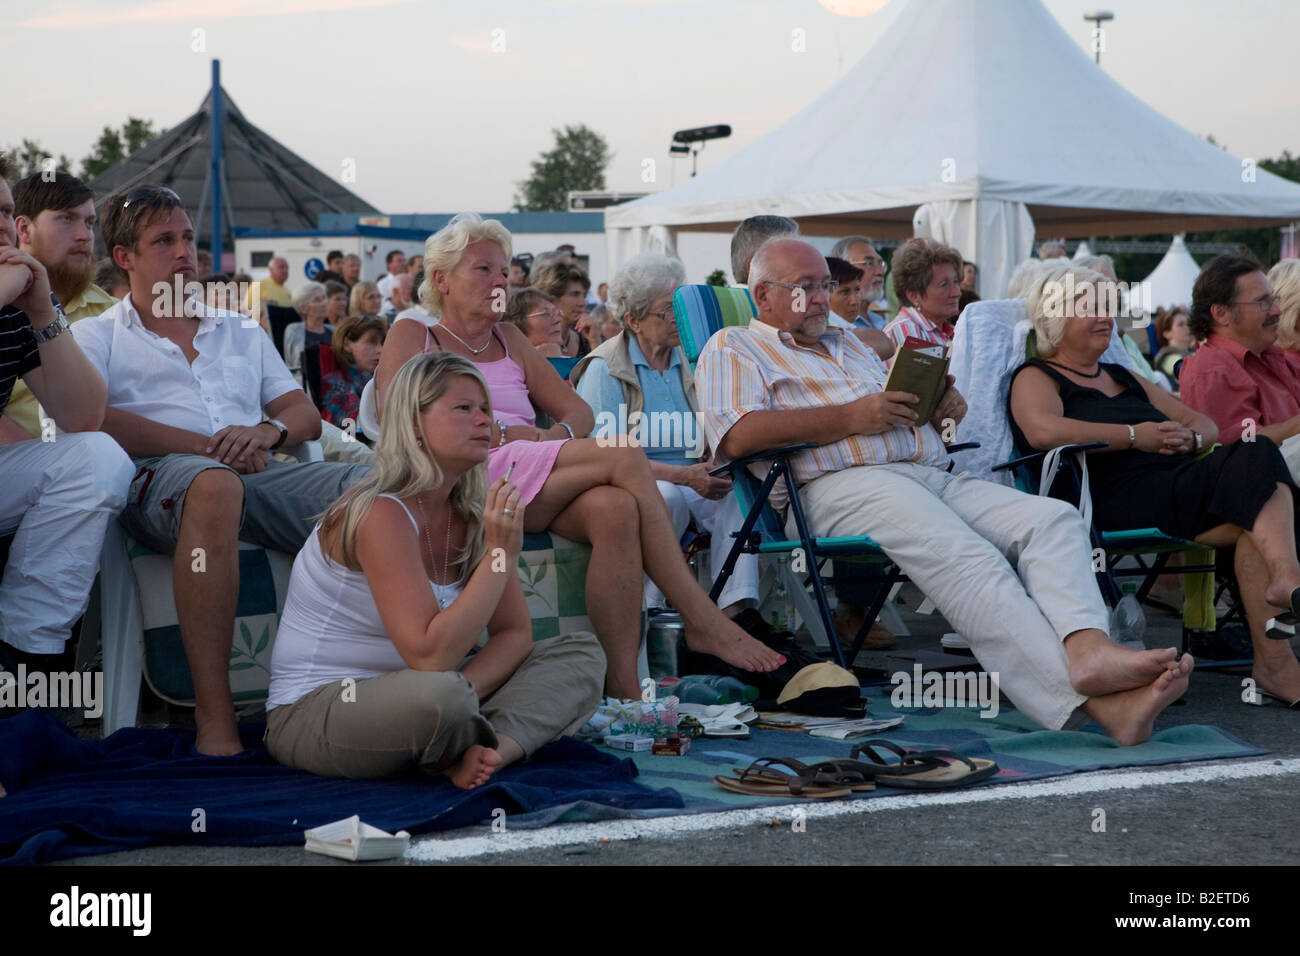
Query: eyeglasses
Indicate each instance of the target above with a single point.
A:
(551, 314)
(666, 315)
(1265, 302)
(871, 262)
(149, 192)
(809, 288)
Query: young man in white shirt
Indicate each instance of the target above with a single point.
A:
(187, 387)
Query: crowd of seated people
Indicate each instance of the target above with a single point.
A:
(173, 410)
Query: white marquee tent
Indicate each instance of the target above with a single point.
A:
(974, 151)
(1170, 283)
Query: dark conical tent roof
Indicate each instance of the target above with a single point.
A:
(264, 184)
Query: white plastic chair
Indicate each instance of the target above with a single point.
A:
(115, 608)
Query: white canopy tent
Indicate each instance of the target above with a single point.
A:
(962, 142)
(1170, 283)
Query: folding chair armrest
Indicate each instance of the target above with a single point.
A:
(1038, 456)
(962, 446)
(784, 451)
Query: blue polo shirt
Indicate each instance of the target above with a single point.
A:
(669, 431)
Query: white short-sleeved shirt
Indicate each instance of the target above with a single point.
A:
(236, 374)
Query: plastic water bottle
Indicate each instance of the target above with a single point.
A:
(1127, 622)
(712, 689)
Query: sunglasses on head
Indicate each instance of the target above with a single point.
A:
(141, 193)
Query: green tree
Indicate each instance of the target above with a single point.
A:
(115, 145)
(716, 277)
(577, 161)
(31, 157)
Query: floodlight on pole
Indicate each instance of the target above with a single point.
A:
(699, 134)
(1097, 18)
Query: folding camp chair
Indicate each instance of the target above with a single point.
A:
(992, 340)
(702, 310)
(280, 317)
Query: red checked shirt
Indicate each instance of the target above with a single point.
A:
(1233, 385)
(911, 323)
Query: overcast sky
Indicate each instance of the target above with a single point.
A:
(442, 104)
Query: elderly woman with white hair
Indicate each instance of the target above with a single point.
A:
(639, 386)
(311, 301)
(1157, 468)
(575, 486)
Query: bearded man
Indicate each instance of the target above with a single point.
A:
(54, 215)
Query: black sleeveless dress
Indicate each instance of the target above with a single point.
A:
(1179, 494)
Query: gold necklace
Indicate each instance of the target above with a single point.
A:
(446, 553)
(473, 350)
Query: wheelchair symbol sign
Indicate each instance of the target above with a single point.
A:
(312, 267)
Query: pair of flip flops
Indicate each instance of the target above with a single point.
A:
(940, 769)
(827, 779)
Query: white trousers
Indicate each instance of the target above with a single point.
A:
(1012, 572)
(719, 518)
(59, 496)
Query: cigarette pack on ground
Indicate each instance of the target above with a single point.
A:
(629, 742)
(673, 746)
(351, 839)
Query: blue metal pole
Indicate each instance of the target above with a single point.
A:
(217, 147)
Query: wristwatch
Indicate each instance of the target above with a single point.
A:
(55, 328)
(1200, 440)
(284, 431)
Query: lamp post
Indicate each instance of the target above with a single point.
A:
(1098, 17)
(700, 134)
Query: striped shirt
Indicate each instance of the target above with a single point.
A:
(911, 322)
(758, 368)
(19, 353)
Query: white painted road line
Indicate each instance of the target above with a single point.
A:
(433, 849)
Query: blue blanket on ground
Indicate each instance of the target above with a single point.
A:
(69, 797)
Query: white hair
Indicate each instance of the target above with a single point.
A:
(841, 248)
(1047, 304)
(1103, 264)
(303, 294)
(643, 279)
(444, 249)
(1022, 278)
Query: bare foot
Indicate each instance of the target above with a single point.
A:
(1129, 716)
(218, 738)
(1279, 674)
(1100, 666)
(729, 642)
(474, 767)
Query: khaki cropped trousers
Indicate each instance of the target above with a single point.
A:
(382, 726)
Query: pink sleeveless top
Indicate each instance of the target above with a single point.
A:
(529, 462)
(506, 383)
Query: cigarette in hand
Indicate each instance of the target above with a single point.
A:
(511, 471)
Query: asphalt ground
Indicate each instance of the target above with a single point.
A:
(1226, 812)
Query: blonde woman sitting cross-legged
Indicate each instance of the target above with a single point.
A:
(377, 668)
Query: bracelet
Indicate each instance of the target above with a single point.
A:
(501, 428)
(1132, 436)
(566, 427)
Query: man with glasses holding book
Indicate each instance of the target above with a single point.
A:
(1012, 572)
